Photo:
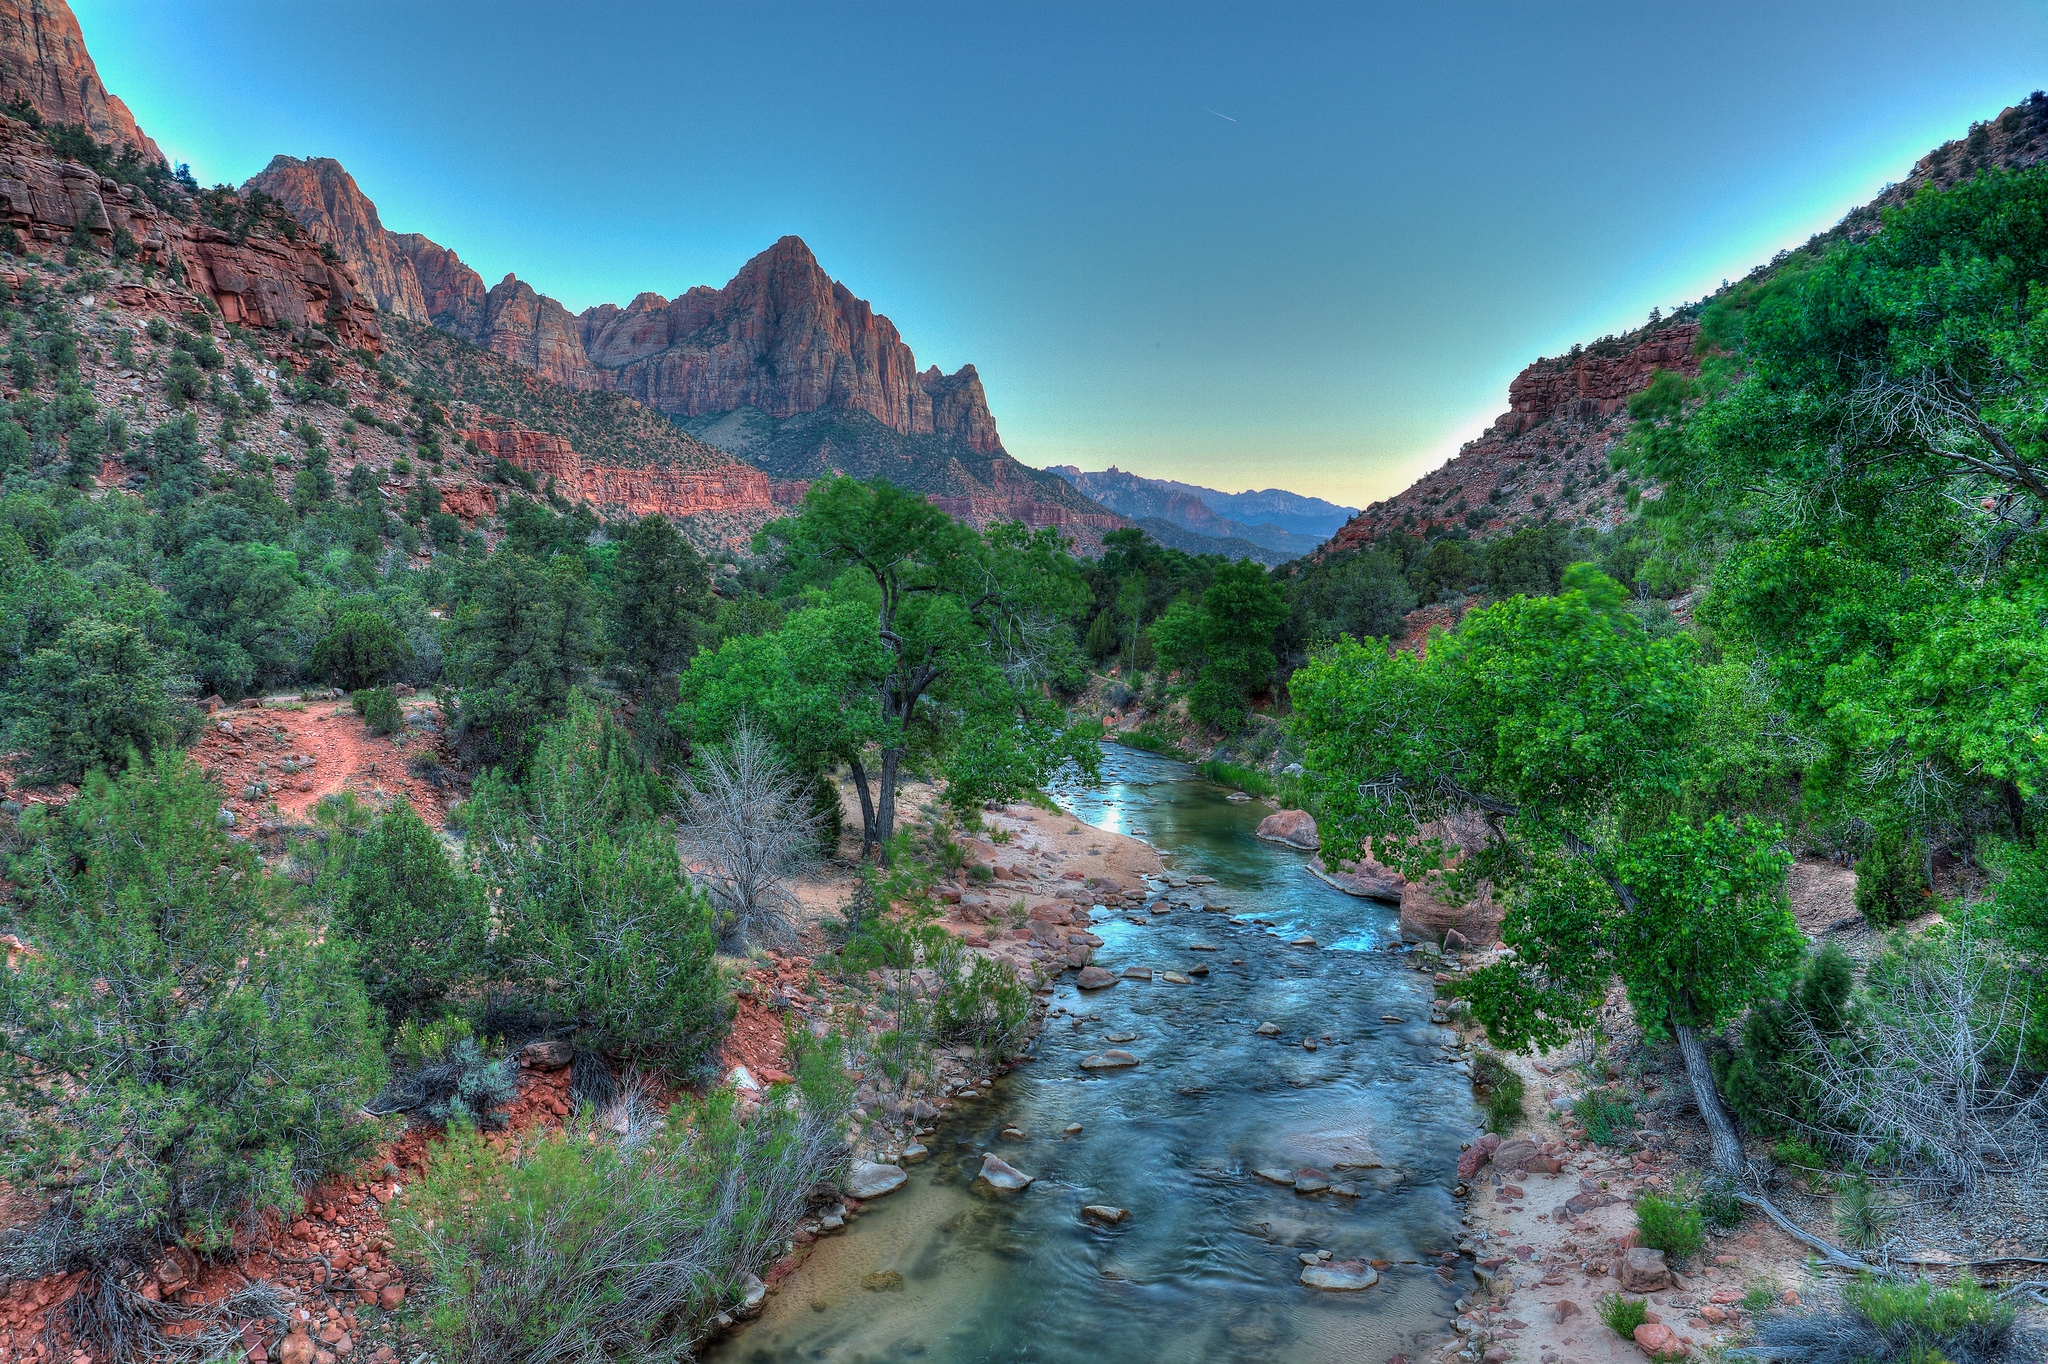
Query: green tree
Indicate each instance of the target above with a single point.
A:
(97, 697)
(515, 652)
(419, 922)
(970, 627)
(1223, 645)
(1568, 726)
(661, 599)
(186, 1048)
(598, 926)
(360, 649)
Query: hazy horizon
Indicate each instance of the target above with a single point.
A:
(1307, 251)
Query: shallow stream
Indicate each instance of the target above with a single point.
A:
(1206, 1266)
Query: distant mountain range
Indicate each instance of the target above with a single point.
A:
(1272, 525)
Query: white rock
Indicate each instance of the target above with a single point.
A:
(868, 1180)
(1340, 1276)
(1002, 1176)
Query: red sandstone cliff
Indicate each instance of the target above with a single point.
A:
(43, 58)
(326, 199)
(637, 490)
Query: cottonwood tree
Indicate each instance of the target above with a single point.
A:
(746, 824)
(963, 633)
(1222, 642)
(1566, 725)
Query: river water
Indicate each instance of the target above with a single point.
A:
(1206, 1267)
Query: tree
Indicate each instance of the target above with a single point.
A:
(97, 697)
(1223, 645)
(599, 928)
(520, 647)
(661, 599)
(188, 1048)
(970, 628)
(1566, 724)
(747, 823)
(361, 649)
(420, 923)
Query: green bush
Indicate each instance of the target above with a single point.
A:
(1891, 879)
(380, 709)
(1862, 1216)
(1503, 1088)
(983, 1005)
(454, 1085)
(1671, 1224)
(419, 922)
(1718, 1203)
(184, 1034)
(97, 696)
(593, 1246)
(1763, 1080)
(1623, 1315)
(1914, 1322)
(1799, 1155)
(1606, 1114)
(360, 650)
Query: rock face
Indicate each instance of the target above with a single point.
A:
(326, 199)
(43, 57)
(451, 292)
(263, 281)
(671, 489)
(1295, 828)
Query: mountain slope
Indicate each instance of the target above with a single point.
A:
(783, 364)
(43, 60)
(1194, 509)
(1546, 458)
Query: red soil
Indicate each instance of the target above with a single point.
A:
(265, 750)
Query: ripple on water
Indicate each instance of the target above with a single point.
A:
(1205, 1268)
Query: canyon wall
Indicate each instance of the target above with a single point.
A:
(635, 490)
(328, 202)
(43, 60)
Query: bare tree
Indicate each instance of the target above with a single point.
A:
(1932, 1072)
(746, 825)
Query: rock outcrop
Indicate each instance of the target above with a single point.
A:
(451, 292)
(672, 490)
(43, 60)
(327, 201)
(256, 281)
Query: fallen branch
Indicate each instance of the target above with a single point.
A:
(1831, 1254)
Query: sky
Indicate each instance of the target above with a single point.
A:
(1299, 245)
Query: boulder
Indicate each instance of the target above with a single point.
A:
(1295, 828)
(1643, 1271)
(1137, 973)
(869, 1180)
(1659, 1341)
(1476, 1155)
(915, 1152)
(1105, 1213)
(1003, 1177)
(551, 1055)
(1509, 1156)
(1113, 1059)
(1267, 1030)
(391, 1296)
(1427, 913)
(1311, 1182)
(883, 1281)
(1340, 1276)
(1094, 978)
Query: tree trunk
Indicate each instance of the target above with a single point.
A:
(867, 807)
(1727, 1144)
(885, 806)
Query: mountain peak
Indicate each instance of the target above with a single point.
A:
(43, 60)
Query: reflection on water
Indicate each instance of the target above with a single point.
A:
(1205, 1268)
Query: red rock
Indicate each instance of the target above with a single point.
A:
(43, 57)
(713, 481)
(1295, 828)
(1659, 1341)
(391, 1296)
(324, 197)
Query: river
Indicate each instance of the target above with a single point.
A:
(1206, 1266)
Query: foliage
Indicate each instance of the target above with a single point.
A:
(597, 926)
(661, 598)
(1890, 883)
(1861, 1214)
(361, 649)
(210, 1048)
(453, 1085)
(1503, 1087)
(1607, 1115)
(608, 1245)
(97, 697)
(380, 709)
(1670, 1224)
(1764, 1077)
(527, 637)
(1623, 1315)
(1222, 644)
(419, 922)
(1911, 1322)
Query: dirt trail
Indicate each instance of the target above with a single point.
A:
(276, 761)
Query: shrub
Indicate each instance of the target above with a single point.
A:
(455, 1085)
(1503, 1089)
(1799, 1155)
(1606, 1114)
(360, 649)
(1718, 1203)
(984, 1006)
(1861, 1214)
(1766, 1081)
(609, 1246)
(99, 695)
(200, 1065)
(1670, 1224)
(1907, 1323)
(1891, 880)
(1623, 1315)
(419, 922)
(379, 708)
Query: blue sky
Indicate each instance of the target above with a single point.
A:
(1246, 246)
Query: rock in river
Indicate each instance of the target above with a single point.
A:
(1003, 1177)
(1137, 973)
(1113, 1059)
(1094, 978)
(1340, 1276)
(1103, 1212)
(1295, 828)
(869, 1180)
